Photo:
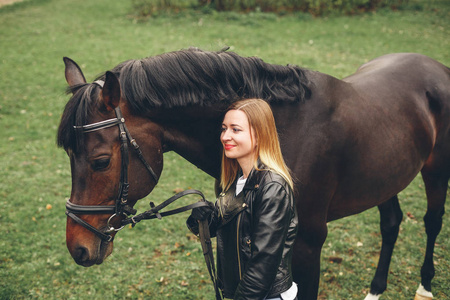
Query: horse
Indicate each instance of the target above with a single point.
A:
(351, 143)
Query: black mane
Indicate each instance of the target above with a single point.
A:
(196, 77)
(184, 78)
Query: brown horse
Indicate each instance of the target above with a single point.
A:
(351, 144)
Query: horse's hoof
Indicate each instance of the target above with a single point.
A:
(423, 294)
(372, 297)
(420, 297)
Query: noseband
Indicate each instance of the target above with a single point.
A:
(121, 208)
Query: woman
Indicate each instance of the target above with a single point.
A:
(254, 219)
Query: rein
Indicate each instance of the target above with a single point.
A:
(121, 208)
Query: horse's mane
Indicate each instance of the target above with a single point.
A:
(188, 77)
(196, 77)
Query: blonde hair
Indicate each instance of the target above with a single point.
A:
(262, 122)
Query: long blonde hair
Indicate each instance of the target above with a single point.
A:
(262, 122)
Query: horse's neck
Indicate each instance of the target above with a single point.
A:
(193, 133)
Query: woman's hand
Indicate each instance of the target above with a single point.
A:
(202, 213)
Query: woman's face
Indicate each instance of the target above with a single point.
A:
(237, 138)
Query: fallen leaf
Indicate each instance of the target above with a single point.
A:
(410, 215)
(161, 280)
(335, 259)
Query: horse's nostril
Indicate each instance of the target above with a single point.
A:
(81, 255)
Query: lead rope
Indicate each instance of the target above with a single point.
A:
(205, 240)
(204, 235)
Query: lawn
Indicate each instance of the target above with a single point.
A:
(160, 259)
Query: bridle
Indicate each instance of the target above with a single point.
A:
(121, 208)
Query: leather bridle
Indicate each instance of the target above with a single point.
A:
(121, 208)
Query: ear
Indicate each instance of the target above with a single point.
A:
(73, 73)
(111, 91)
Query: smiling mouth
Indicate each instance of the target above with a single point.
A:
(228, 147)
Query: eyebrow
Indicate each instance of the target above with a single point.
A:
(231, 125)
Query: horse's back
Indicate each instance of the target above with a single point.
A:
(412, 87)
(406, 70)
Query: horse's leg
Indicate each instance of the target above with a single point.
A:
(436, 190)
(306, 261)
(390, 218)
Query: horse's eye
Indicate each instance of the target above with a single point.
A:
(100, 164)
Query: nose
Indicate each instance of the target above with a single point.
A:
(225, 135)
(81, 256)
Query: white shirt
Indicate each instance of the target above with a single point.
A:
(240, 184)
(290, 294)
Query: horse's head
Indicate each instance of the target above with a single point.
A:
(104, 158)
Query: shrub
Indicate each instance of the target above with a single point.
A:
(144, 8)
(314, 7)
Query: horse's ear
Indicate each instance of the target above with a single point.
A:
(73, 73)
(111, 91)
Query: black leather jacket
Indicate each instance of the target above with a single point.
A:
(255, 234)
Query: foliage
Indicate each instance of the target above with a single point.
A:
(314, 7)
(160, 259)
(152, 7)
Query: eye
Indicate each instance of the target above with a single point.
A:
(100, 164)
(236, 129)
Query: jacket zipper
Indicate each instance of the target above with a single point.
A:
(237, 246)
(237, 243)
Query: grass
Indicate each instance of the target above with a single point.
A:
(159, 259)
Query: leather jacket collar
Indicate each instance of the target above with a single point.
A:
(255, 176)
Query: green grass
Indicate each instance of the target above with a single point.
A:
(159, 259)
